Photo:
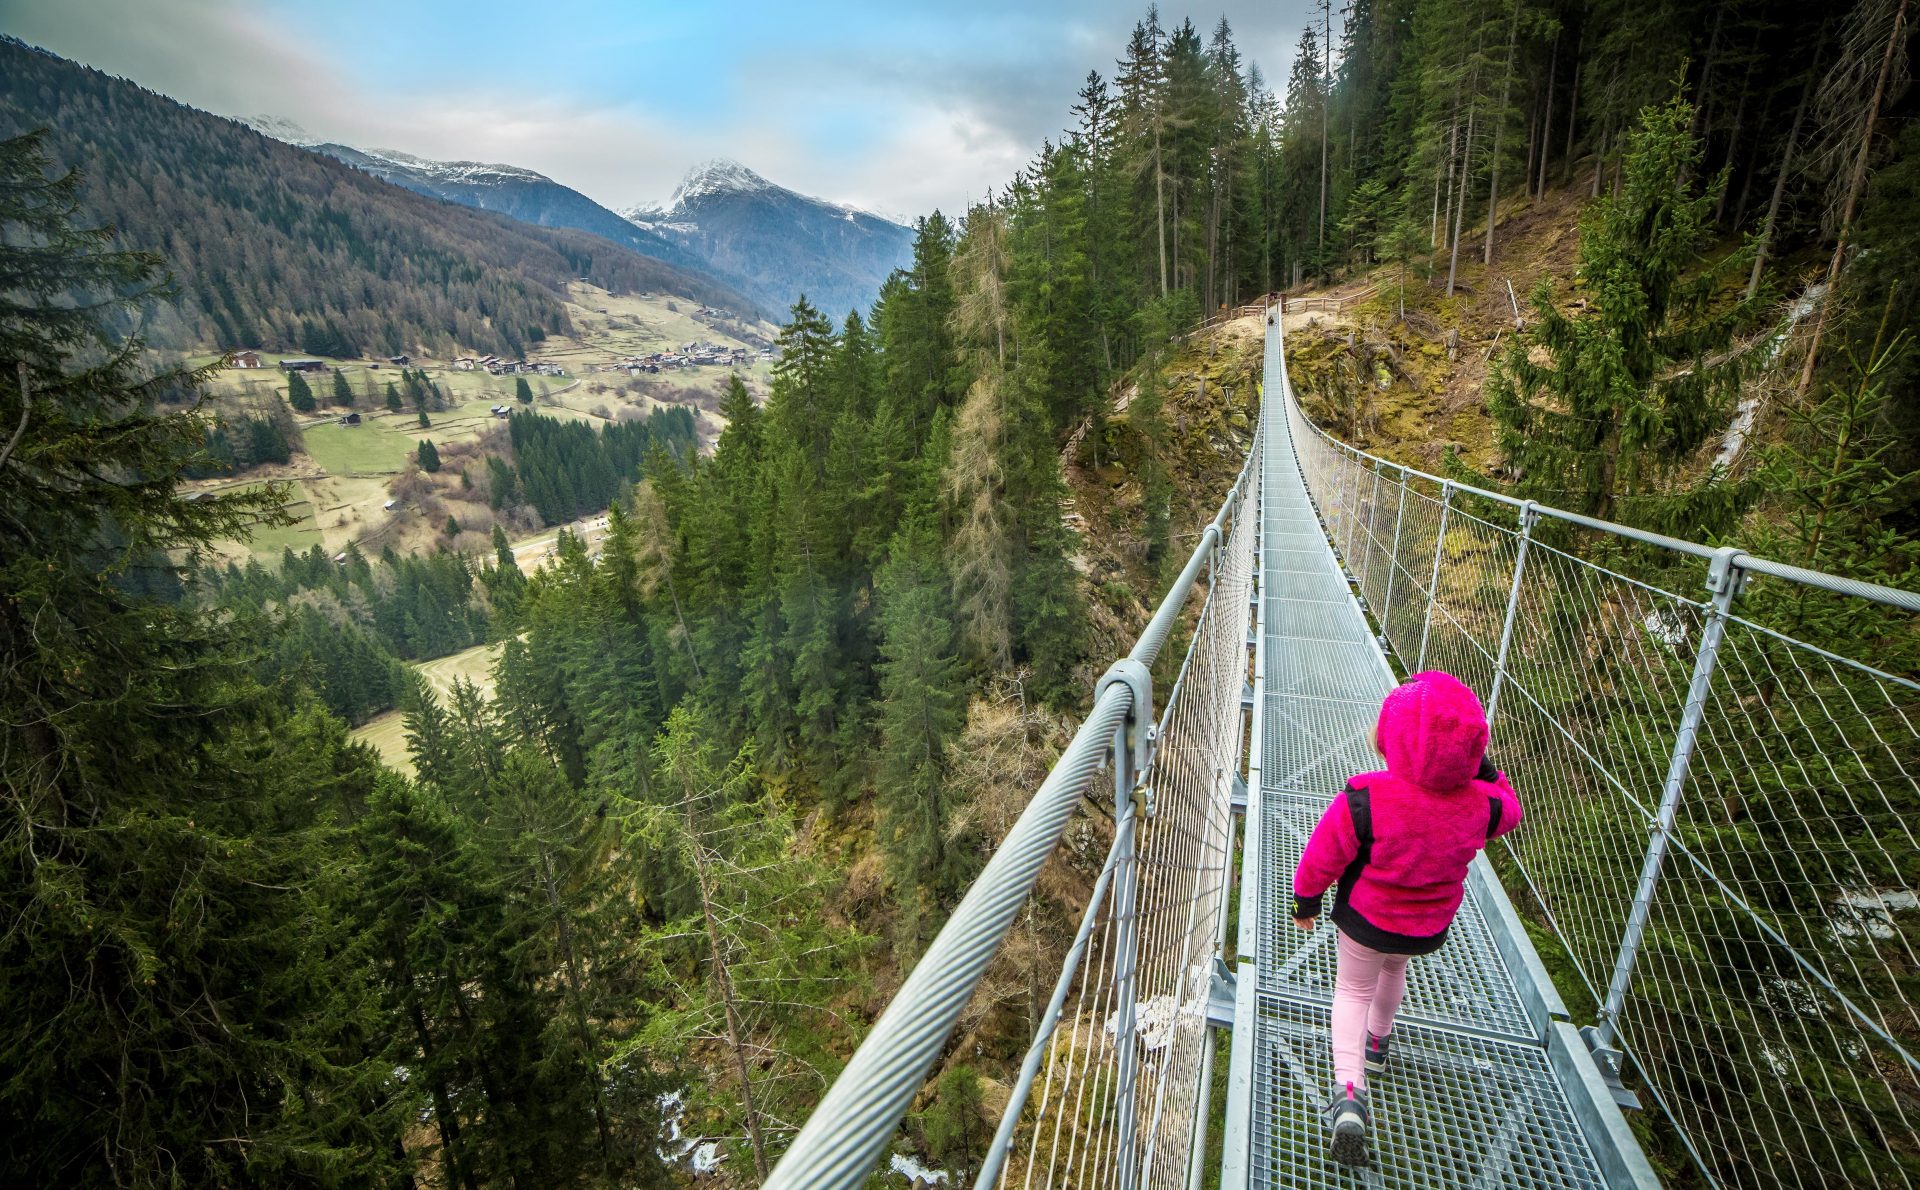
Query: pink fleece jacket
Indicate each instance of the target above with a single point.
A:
(1397, 842)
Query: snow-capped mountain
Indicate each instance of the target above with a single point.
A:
(282, 129)
(515, 192)
(775, 244)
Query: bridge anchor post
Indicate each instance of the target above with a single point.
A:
(1133, 744)
(1725, 578)
(1527, 517)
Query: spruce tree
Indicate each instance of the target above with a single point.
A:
(1628, 391)
(342, 391)
(522, 391)
(393, 399)
(298, 394)
(428, 456)
(170, 832)
(922, 708)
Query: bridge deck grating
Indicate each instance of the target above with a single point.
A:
(1452, 1109)
(1471, 1099)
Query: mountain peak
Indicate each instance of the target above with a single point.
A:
(721, 175)
(280, 128)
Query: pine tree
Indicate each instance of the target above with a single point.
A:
(428, 456)
(922, 708)
(394, 404)
(342, 391)
(522, 392)
(298, 394)
(749, 962)
(1629, 391)
(169, 831)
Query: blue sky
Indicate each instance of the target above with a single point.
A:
(898, 107)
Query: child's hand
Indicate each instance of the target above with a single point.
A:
(1305, 923)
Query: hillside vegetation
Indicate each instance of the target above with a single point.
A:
(283, 249)
(745, 751)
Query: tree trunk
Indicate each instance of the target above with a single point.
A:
(1160, 204)
(1855, 185)
(1753, 169)
(1460, 207)
(1733, 137)
(724, 983)
(1500, 127)
(576, 996)
(1573, 108)
(1546, 121)
(444, 1120)
(1326, 96)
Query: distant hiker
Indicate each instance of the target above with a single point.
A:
(1397, 842)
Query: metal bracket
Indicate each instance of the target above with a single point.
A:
(1220, 995)
(1238, 798)
(1140, 730)
(1607, 1060)
(1246, 696)
(1726, 568)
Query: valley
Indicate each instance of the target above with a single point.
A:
(343, 476)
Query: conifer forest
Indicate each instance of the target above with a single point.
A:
(742, 754)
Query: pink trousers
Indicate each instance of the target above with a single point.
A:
(1367, 989)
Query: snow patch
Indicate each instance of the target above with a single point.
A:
(702, 1156)
(1869, 912)
(1667, 626)
(466, 172)
(1793, 995)
(280, 128)
(1156, 1020)
(1744, 414)
(916, 1173)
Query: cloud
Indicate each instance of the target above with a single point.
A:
(881, 103)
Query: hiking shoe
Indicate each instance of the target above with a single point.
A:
(1376, 1055)
(1350, 1120)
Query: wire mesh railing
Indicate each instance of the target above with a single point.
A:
(1070, 1129)
(1721, 819)
(1112, 1090)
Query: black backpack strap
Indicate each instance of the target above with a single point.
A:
(1493, 816)
(1360, 809)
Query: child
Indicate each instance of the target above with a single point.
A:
(1398, 843)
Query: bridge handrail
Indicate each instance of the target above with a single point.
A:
(851, 1129)
(1720, 833)
(1753, 563)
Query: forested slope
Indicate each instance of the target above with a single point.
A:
(275, 247)
(742, 763)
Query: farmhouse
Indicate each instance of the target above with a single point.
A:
(401, 360)
(246, 359)
(350, 419)
(463, 364)
(303, 365)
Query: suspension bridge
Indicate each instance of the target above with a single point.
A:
(1701, 944)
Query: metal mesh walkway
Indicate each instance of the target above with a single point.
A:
(1751, 984)
(1475, 1096)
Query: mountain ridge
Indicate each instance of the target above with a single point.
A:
(774, 243)
(287, 249)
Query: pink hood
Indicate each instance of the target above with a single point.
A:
(1433, 731)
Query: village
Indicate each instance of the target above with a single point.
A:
(688, 355)
(493, 365)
